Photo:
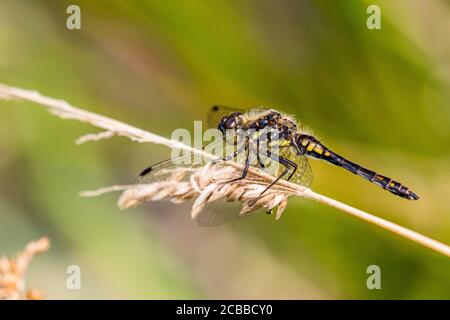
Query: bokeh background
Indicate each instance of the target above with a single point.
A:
(379, 97)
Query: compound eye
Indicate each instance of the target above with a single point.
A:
(263, 122)
(230, 123)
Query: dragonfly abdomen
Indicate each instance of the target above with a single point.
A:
(312, 147)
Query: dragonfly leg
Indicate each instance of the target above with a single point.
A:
(247, 162)
(231, 156)
(288, 165)
(294, 165)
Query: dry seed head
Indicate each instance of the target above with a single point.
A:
(12, 272)
(207, 184)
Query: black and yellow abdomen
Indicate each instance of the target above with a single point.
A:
(310, 146)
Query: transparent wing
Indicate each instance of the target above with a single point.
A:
(217, 112)
(303, 175)
(177, 169)
(220, 212)
(157, 171)
(160, 170)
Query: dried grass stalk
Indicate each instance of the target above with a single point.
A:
(13, 270)
(201, 189)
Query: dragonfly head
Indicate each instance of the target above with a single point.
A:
(231, 121)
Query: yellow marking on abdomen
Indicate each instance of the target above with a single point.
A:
(318, 149)
(310, 147)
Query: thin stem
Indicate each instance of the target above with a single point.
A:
(113, 127)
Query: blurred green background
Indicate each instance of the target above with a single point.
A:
(379, 97)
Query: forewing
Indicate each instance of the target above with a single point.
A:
(161, 170)
(158, 171)
(217, 112)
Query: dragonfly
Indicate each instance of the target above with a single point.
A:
(290, 147)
